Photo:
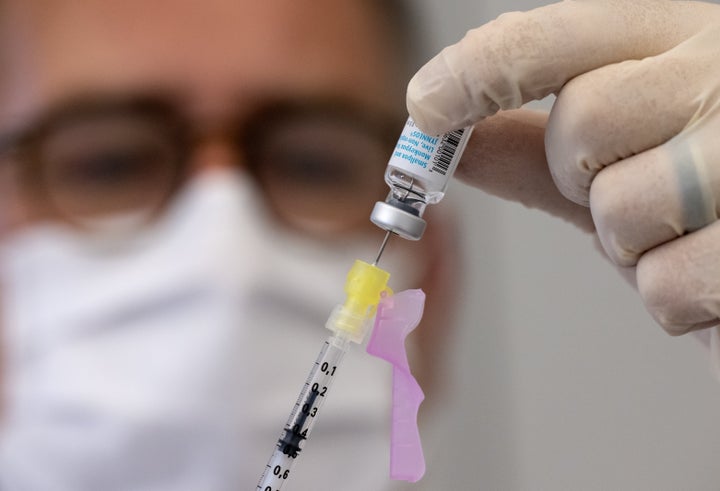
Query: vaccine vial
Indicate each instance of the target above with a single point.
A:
(418, 174)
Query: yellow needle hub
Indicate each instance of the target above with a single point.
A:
(364, 285)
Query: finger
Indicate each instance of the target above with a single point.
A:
(525, 56)
(505, 157)
(680, 281)
(624, 109)
(659, 195)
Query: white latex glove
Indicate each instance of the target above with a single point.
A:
(634, 133)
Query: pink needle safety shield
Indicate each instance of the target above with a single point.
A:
(397, 315)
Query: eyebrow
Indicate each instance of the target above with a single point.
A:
(265, 110)
(340, 108)
(98, 100)
(88, 104)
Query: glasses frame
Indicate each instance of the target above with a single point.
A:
(245, 134)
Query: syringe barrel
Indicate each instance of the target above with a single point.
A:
(418, 174)
(304, 414)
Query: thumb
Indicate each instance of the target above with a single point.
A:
(505, 157)
(523, 56)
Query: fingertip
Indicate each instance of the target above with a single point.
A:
(427, 97)
(429, 120)
(417, 111)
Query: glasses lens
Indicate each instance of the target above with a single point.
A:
(109, 167)
(320, 174)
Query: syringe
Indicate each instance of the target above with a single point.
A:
(349, 323)
(304, 414)
(418, 175)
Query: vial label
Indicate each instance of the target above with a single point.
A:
(430, 158)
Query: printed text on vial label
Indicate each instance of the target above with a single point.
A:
(415, 147)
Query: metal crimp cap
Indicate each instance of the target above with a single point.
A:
(396, 220)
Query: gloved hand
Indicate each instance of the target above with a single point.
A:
(634, 133)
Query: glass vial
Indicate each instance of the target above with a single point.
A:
(418, 174)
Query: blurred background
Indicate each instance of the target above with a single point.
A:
(560, 379)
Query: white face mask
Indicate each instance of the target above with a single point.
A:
(170, 360)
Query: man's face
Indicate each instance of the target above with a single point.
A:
(217, 60)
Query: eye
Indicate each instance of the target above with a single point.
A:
(109, 166)
(319, 173)
(311, 167)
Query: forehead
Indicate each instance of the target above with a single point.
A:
(205, 51)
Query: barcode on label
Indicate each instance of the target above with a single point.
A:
(446, 151)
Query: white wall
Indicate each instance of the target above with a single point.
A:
(561, 379)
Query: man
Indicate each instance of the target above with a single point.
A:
(184, 186)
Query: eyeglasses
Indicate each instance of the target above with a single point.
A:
(318, 164)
